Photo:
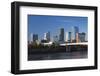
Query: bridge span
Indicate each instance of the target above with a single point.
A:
(70, 45)
(80, 43)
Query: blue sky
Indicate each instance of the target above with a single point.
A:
(40, 24)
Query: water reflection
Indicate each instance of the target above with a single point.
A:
(58, 55)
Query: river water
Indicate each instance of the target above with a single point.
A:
(58, 55)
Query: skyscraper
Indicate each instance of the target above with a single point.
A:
(61, 35)
(82, 37)
(68, 37)
(55, 38)
(47, 36)
(35, 37)
(75, 30)
(77, 37)
(31, 38)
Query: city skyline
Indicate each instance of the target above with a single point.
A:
(39, 24)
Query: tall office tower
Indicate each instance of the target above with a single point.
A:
(44, 36)
(61, 35)
(35, 37)
(55, 38)
(31, 38)
(47, 36)
(75, 30)
(68, 37)
(82, 37)
(77, 37)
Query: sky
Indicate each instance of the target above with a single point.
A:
(40, 24)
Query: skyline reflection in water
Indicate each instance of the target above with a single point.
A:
(58, 55)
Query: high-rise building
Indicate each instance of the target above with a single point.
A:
(77, 37)
(75, 30)
(47, 36)
(61, 35)
(31, 38)
(68, 37)
(82, 37)
(35, 37)
(44, 36)
(55, 38)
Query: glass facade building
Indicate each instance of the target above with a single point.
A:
(61, 35)
(35, 37)
(75, 30)
(82, 37)
(47, 36)
(68, 37)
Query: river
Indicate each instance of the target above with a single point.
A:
(59, 55)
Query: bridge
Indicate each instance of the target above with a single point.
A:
(80, 43)
(68, 45)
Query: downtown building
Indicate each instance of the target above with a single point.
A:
(47, 36)
(61, 35)
(34, 37)
(55, 39)
(75, 32)
(68, 37)
(82, 37)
